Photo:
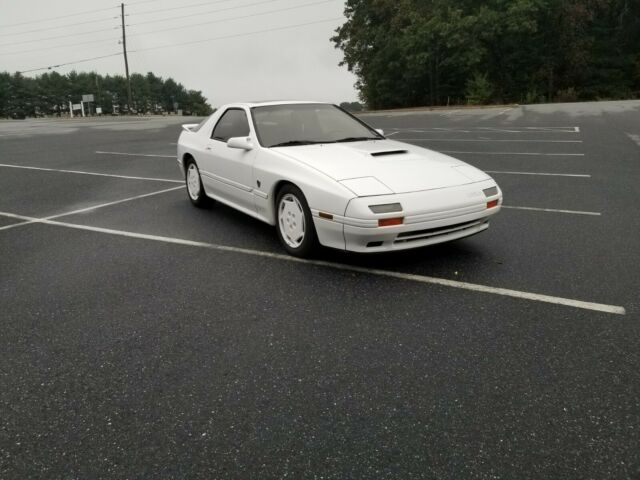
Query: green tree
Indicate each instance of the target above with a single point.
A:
(417, 52)
(50, 93)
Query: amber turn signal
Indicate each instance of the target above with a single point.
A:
(388, 222)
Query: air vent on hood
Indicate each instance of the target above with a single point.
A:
(388, 152)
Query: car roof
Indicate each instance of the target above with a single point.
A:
(266, 103)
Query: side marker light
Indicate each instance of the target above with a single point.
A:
(388, 222)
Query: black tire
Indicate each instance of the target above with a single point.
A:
(292, 212)
(195, 191)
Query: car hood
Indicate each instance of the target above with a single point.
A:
(384, 166)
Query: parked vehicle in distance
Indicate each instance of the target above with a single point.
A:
(320, 175)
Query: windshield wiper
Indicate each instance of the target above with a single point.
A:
(292, 143)
(355, 139)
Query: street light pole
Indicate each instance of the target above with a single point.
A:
(126, 62)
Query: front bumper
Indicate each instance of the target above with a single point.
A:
(429, 217)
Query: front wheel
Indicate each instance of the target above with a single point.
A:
(194, 186)
(294, 222)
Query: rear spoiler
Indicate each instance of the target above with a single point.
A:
(188, 127)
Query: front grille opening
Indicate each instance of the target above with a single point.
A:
(389, 152)
(374, 244)
(434, 232)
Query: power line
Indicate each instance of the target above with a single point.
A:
(143, 1)
(56, 18)
(64, 45)
(114, 28)
(286, 27)
(11, 44)
(58, 36)
(202, 13)
(232, 18)
(146, 12)
(71, 63)
(75, 24)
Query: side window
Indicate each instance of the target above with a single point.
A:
(233, 123)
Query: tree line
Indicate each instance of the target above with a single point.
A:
(49, 94)
(437, 52)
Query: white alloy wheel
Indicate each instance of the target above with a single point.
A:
(193, 181)
(291, 221)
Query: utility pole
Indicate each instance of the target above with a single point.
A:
(126, 62)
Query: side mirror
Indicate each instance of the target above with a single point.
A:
(242, 143)
(380, 131)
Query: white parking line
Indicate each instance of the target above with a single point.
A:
(473, 140)
(575, 212)
(134, 154)
(128, 177)
(634, 138)
(15, 134)
(544, 174)
(533, 154)
(614, 309)
(81, 210)
(514, 129)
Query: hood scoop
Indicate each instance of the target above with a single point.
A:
(388, 152)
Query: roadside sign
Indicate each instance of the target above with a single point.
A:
(77, 106)
(99, 110)
(87, 98)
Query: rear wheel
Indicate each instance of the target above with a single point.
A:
(194, 186)
(294, 222)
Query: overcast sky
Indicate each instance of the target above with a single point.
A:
(292, 63)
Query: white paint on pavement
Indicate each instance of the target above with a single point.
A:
(128, 177)
(514, 129)
(134, 154)
(533, 154)
(86, 209)
(553, 210)
(473, 140)
(538, 173)
(634, 138)
(614, 309)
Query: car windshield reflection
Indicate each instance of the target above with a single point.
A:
(308, 124)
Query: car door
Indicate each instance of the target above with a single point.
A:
(228, 172)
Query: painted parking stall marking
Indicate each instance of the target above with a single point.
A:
(553, 210)
(127, 154)
(576, 175)
(571, 130)
(532, 154)
(83, 210)
(481, 140)
(127, 177)
(568, 302)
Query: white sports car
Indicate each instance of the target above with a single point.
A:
(321, 175)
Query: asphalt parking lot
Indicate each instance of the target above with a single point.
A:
(143, 338)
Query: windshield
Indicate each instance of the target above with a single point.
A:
(305, 124)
